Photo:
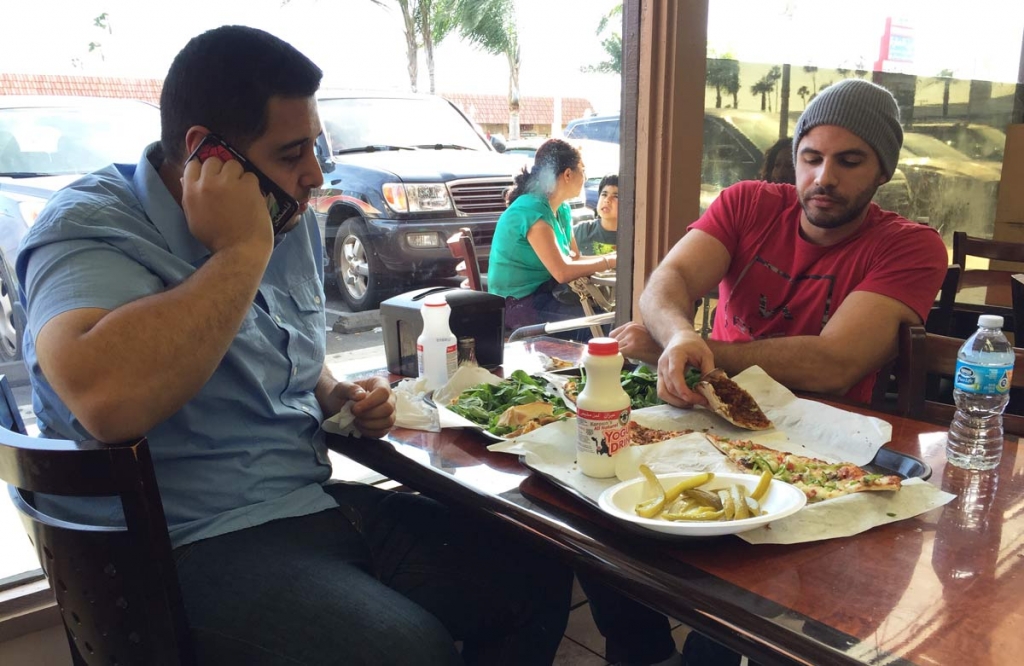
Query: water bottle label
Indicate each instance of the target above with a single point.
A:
(983, 379)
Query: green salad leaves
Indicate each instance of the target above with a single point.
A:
(484, 404)
(640, 384)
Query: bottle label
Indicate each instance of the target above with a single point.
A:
(451, 359)
(603, 433)
(983, 379)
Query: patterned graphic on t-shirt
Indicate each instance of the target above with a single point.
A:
(765, 299)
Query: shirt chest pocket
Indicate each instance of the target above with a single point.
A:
(308, 301)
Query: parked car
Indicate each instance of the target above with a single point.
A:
(951, 191)
(735, 142)
(402, 173)
(979, 142)
(45, 144)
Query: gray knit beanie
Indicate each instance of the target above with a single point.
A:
(867, 110)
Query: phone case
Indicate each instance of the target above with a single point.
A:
(281, 205)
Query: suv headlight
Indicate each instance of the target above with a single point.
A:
(426, 197)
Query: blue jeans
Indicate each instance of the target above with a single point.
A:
(542, 307)
(387, 578)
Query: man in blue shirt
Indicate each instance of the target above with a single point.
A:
(160, 303)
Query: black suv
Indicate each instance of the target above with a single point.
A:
(402, 172)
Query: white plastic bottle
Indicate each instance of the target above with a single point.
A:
(602, 410)
(981, 389)
(437, 347)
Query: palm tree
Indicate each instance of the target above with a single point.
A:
(813, 71)
(803, 93)
(722, 72)
(762, 88)
(773, 76)
(492, 26)
(946, 76)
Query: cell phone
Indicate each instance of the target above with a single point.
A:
(281, 205)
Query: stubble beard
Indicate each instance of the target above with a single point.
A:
(847, 213)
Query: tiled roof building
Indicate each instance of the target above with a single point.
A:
(485, 109)
(87, 86)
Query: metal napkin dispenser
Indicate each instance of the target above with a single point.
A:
(475, 314)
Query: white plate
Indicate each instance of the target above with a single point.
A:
(781, 500)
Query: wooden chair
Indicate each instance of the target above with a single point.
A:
(1017, 297)
(462, 247)
(996, 281)
(940, 319)
(925, 356)
(116, 587)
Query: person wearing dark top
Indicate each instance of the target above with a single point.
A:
(598, 236)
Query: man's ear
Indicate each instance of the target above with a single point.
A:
(193, 137)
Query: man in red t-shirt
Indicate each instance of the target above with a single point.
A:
(814, 280)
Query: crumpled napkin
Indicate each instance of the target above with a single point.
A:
(342, 423)
(411, 408)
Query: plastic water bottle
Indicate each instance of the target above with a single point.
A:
(981, 389)
(436, 348)
(602, 410)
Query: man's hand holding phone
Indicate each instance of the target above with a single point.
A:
(223, 205)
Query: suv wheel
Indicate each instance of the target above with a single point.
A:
(12, 322)
(361, 277)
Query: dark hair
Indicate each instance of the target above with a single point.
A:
(553, 157)
(223, 80)
(611, 179)
(783, 146)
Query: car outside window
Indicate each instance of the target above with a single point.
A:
(353, 123)
(68, 140)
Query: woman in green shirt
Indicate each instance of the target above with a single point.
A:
(533, 250)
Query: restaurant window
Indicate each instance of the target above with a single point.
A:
(952, 68)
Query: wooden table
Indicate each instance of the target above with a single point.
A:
(946, 587)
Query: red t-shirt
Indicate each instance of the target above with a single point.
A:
(779, 284)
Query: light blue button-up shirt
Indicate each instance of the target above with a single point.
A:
(248, 447)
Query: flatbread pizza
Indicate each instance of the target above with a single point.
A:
(818, 479)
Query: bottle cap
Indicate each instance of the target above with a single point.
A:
(990, 321)
(603, 346)
(435, 301)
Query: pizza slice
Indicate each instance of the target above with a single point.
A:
(640, 435)
(731, 401)
(818, 479)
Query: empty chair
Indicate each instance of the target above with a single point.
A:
(940, 319)
(995, 281)
(116, 587)
(926, 357)
(462, 247)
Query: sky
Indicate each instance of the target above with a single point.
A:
(361, 45)
(357, 43)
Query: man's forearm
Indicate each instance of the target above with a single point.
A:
(141, 362)
(803, 362)
(666, 310)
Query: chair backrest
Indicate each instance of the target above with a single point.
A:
(996, 281)
(1017, 293)
(940, 319)
(462, 247)
(925, 357)
(116, 587)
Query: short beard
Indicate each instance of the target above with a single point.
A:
(851, 212)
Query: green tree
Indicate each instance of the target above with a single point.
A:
(723, 75)
(491, 25)
(946, 76)
(611, 42)
(773, 76)
(101, 22)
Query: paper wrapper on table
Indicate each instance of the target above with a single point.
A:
(802, 426)
(342, 423)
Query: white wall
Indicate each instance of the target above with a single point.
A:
(48, 647)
